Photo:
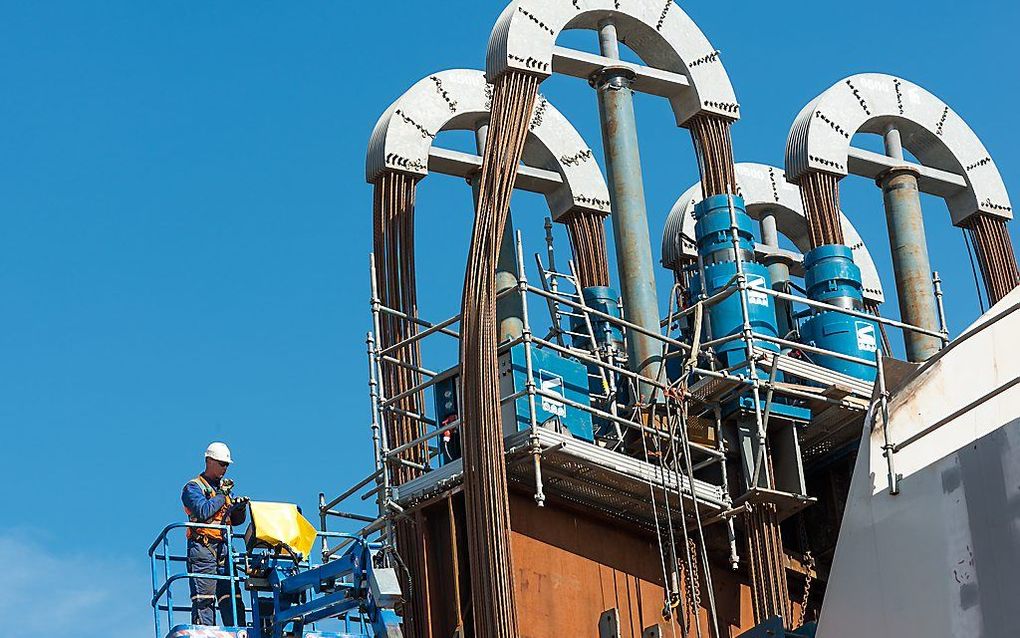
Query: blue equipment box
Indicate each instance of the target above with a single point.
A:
(552, 373)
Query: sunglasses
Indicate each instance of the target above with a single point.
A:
(221, 463)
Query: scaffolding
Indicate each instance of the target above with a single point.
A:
(604, 475)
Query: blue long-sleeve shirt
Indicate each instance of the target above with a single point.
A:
(203, 508)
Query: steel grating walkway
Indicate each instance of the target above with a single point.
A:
(585, 474)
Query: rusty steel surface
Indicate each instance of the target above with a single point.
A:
(569, 568)
(911, 264)
(629, 216)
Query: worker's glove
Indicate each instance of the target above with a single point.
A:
(226, 485)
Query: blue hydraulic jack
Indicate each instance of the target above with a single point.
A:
(833, 278)
(725, 240)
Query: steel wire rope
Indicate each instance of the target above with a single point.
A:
(714, 149)
(669, 603)
(994, 254)
(393, 242)
(661, 378)
(587, 234)
(636, 410)
(692, 588)
(685, 440)
(973, 270)
(485, 484)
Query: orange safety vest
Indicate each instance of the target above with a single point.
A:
(219, 518)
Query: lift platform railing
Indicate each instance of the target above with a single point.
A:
(160, 552)
(161, 555)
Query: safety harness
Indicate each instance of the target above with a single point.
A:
(202, 534)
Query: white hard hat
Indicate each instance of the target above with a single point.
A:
(218, 452)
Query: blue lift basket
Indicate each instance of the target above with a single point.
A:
(287, 595)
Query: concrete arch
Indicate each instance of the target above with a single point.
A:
(460, 99)
(659, 31)
(765, 190)
(820, 138)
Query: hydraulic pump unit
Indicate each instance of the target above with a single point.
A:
(832, 277)
(718, 252)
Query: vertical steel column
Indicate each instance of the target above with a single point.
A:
(911, 265)
(553, 283)
(529, 365)
(509, 312)
(937, 283)
(166, 578)
(383, 492)
(779, 272)
(629, 218)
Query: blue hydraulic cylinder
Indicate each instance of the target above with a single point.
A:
(832, 277)
(607, 334)
(718, 254)
(604, 300)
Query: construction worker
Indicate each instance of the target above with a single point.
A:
(207, 499)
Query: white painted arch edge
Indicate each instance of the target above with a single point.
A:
(766, 190)
(659, 31)
(819, 140)
(459, 99)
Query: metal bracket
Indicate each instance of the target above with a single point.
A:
(661, 34)
(459, 164)
(459, 99)
(655, 631)
(929, 180)
(609, 623)
(645, 79)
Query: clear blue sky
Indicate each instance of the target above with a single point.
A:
(186, 227)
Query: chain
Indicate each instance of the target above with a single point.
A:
(809, 566)
(809, 571)
(694, 595)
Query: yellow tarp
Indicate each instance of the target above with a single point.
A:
(281, 523)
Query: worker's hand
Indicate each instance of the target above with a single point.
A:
(226, 485)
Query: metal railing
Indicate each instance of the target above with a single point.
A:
(163, 578)
(160, 552)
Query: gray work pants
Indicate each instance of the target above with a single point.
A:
(208, 593)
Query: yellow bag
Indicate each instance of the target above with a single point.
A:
(275, 524)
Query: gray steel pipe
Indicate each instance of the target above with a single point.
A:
(911, 266)
(629, 219)
(779, 273)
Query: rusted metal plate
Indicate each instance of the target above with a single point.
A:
(570, 568)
